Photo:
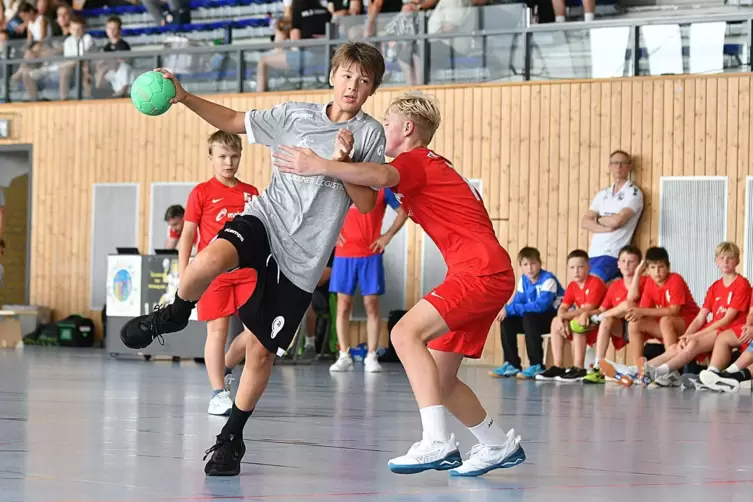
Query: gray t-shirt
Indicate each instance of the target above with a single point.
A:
(304, 215)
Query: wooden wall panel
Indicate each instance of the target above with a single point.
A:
(541, 150)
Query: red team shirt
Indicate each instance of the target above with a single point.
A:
(592, 293)
(720, 298)
(618, 292)
(172, 234)
(674, 291)
(479, 278)
(359, 230)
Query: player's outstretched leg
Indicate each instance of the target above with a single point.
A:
(438, 449)
(495, 449)
(213, 260)
(229, 449)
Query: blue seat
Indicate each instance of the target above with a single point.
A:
(195, 4)
(186, 28)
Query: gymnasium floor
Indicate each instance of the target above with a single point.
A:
(79, 426)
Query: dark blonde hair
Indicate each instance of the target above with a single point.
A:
(366, 56)
(228, 140)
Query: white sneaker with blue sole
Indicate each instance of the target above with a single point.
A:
(428, 455)
(484, 458)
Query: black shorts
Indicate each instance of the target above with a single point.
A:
(276, 306)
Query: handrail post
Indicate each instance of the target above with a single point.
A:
(636, 51)
(79, 80)
(241, 69)
(7, 69)
(527, 54)
(423, 49)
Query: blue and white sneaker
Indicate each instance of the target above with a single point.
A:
(531, 372)
(428, 455)
(504, 371)
(484, 458)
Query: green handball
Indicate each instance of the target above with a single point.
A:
(151, 93)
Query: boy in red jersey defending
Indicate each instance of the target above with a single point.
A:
(209, 206)
(455, 317)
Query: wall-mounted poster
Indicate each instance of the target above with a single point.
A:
(123, 285)
(161, 282)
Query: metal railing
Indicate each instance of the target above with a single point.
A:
(518, 52)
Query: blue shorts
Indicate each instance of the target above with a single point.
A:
(604, 267)
(367, 272)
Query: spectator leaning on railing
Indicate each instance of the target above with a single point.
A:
(115, 71)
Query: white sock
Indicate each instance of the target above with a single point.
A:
(434, 422)
(488, 433)
(663, 369)
(596, 363)
(310, 341)
(559, 19)
(732, 368)
(588, 16)
(714, 369)
(345, 353)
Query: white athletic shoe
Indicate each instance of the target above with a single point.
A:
(671, 379)
(371, 364)
(428, 455)
(484, 458)
(344, 363)
(718, 383)
(220, 404)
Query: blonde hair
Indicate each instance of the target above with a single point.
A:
(420, 109)
(729, 248)
(226, 139)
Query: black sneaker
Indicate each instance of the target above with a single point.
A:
(572, 375)
(141, 331)
(550, 374)
(226, 456)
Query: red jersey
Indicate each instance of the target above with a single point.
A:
(591, 293)
(450, 211)
(719, 298)
(618, 292)
(172, 234)
(211, 204)
(674, 291)
(359, 230)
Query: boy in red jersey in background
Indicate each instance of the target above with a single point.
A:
(358, 260)
(666, 309)
(455, 317)
(623, 294)
(728, 301)
(583, 297)
(210, 205)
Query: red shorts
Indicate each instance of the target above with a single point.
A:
(469, 305)
(226, 294)
(591, 336)
(738, 330)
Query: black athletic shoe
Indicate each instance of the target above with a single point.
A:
(550, 374)
(226, 456)
(141, 331)
(572, 375)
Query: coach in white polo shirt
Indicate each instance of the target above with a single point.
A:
(612, 217)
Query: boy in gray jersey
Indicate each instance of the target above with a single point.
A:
(286, 234)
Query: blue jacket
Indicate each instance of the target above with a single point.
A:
(543, 296)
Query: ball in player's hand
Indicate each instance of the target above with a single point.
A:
(576, 327)
(151, 93)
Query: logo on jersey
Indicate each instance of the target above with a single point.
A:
(302, 114)
(380, 150)
(215, 201)
(277, 325)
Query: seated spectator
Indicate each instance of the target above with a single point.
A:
(61, 27)
(37, 32)
(612, 217)
(560, 9)
(76, 44)
(583, 297)
(174, 219)
(623, 294)
(10, 23)
(117, 72)
(531, 312)
(308, 20)
(338, 8)
(666, 309)
(728, 302)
